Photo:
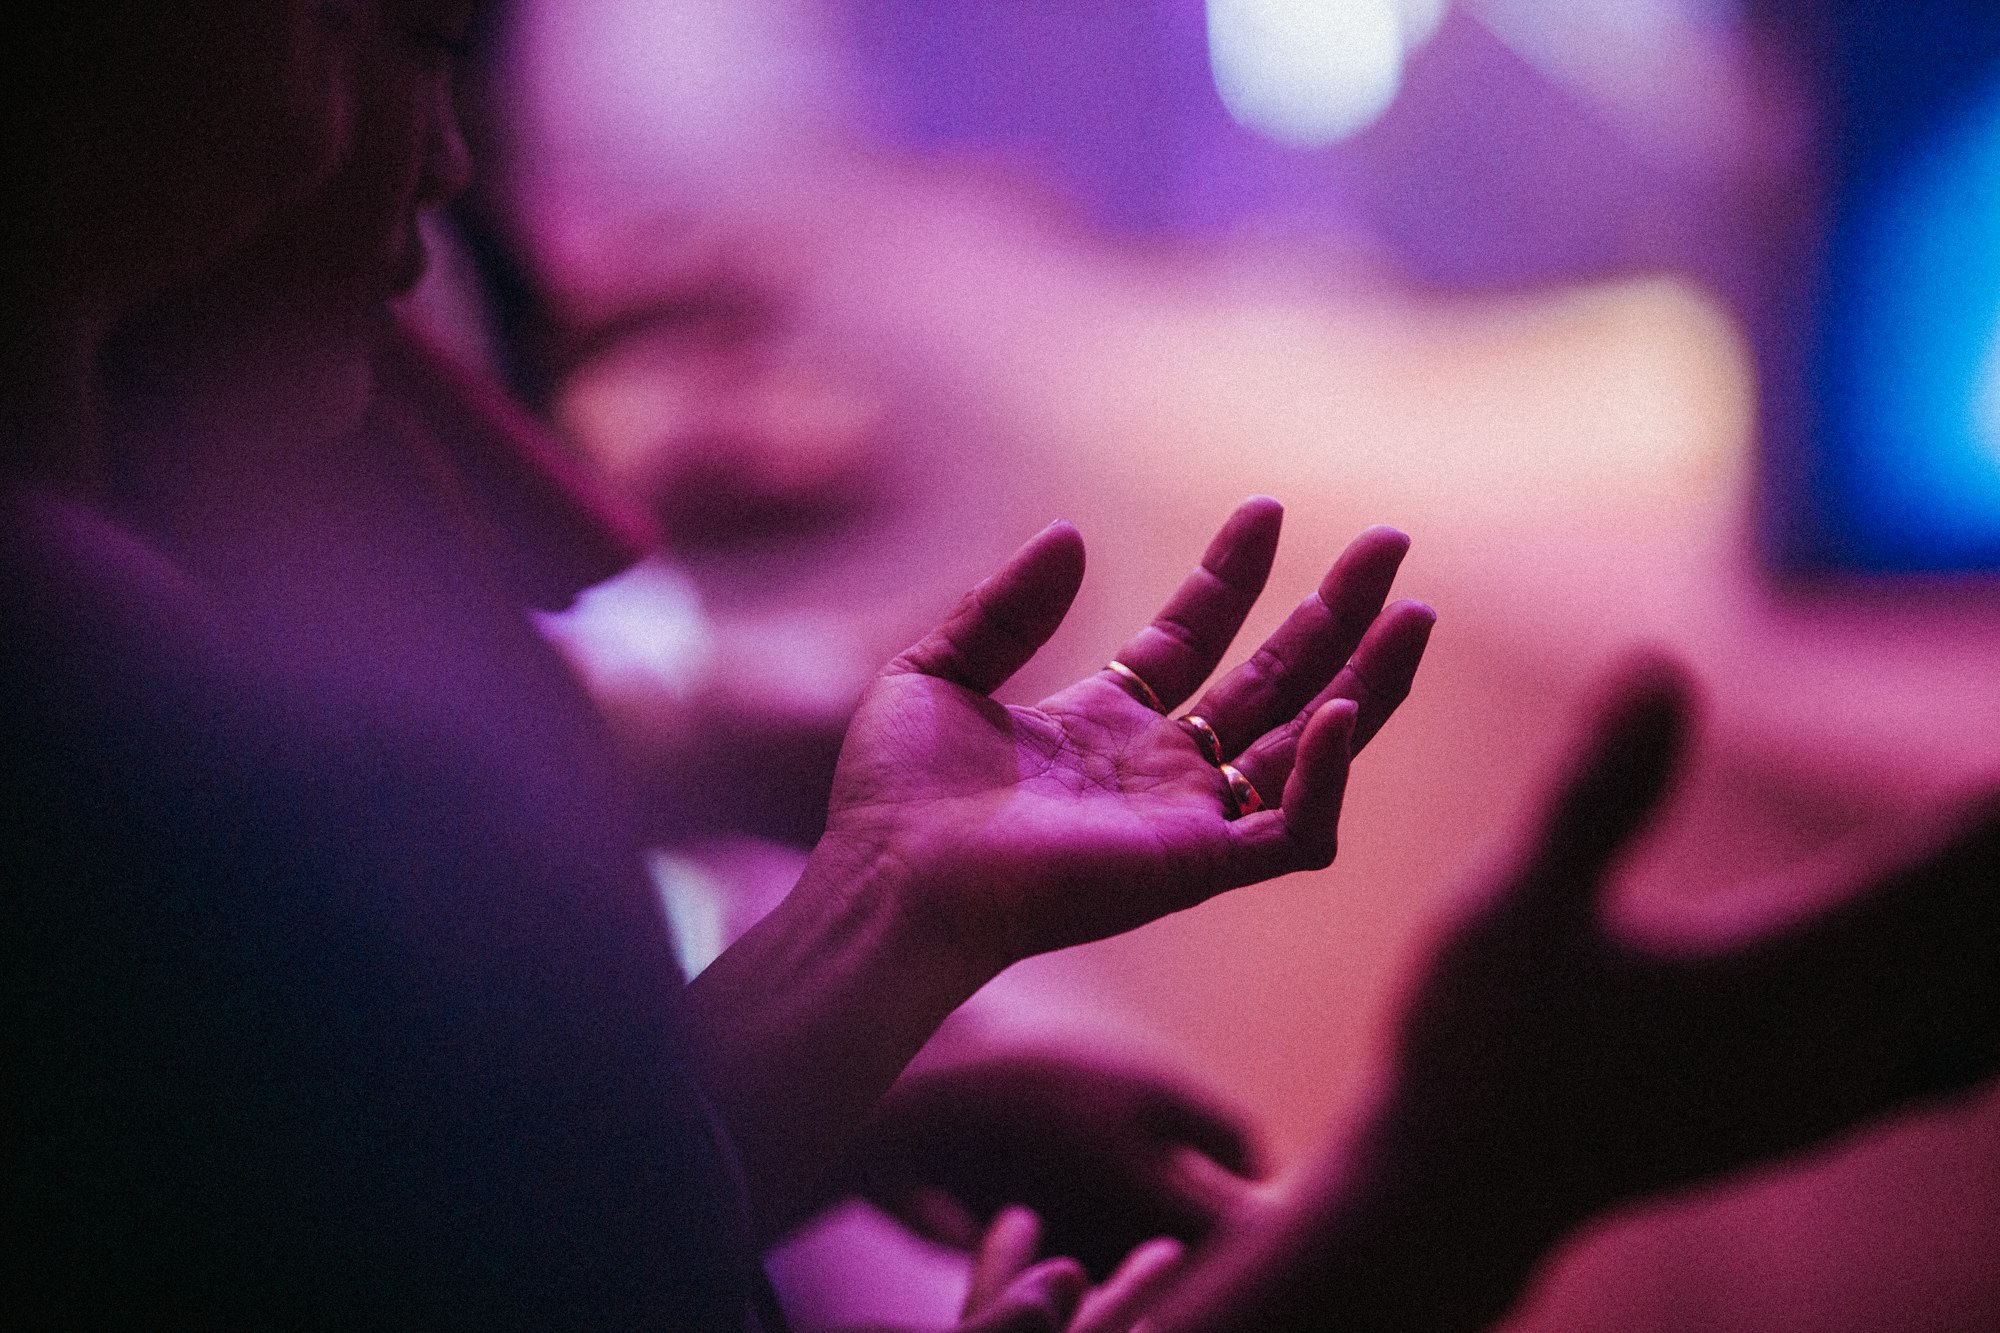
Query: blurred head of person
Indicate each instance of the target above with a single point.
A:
(144, 139)
(279, 337)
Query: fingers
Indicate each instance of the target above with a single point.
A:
(1186, 641)
(1004, 1253)
(1313, 793)
(1376, 678)
(1303, 832)
(1613, 791)
(1004, 621)
(1146, 1271)
(1299, 660)
(1044, 1299)
(1379, 674)
(1006, 1295)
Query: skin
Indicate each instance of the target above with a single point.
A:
(965, 835)
(1554, 1062)
(1011, 1293)
(278, 342)
(792, 483)
(1108, 1153)
(900, 914)
(107, 212)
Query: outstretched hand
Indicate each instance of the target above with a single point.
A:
(1029, 829)
(1624, 1066)
(1553, 1062)
(965, 835)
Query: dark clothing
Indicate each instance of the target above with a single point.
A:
(335, 991)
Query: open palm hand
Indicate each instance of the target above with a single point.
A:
(1031, 829)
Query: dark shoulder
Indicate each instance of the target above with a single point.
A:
(73, 581)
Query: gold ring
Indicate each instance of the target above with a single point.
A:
(1205, 738)
(1241, 794)
(1136, 687)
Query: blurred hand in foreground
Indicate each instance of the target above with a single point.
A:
(1614, 1064)
(1108, 1154)
(1553, 1063)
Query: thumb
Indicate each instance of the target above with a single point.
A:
(1042, 1300)
(1615, 787)
(1004, 621)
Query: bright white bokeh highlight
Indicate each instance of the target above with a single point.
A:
(1312, 72)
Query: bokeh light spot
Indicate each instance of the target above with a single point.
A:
(1310, 72)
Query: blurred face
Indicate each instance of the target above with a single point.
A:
(153, 136)
(343, 253)
(292, 320)
(409, 153)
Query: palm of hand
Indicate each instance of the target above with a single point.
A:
(1044, 827)
(1027, 829)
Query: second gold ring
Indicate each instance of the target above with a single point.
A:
(1241, 794)
(1204, 737)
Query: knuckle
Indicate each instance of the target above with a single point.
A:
(1265, 667)
(1179, 633)
(1237, 591)
(1208, 578)
(1273, 747)
(1365, 688)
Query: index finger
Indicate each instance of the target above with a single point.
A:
(1186, 641)
(1004, 621)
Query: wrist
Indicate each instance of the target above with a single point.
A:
(922, 907)
(801, 1025)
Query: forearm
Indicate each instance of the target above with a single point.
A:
(802, 1024)
(1401, 1228)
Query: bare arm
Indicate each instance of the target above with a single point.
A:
(966, 835)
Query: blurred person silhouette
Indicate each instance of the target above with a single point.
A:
(337, 992)
(814, 509)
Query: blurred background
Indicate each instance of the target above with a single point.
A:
(1655, 322)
